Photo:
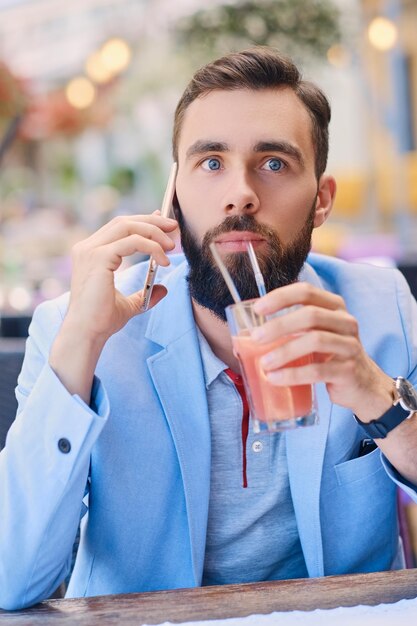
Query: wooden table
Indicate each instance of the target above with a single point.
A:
(221, 602)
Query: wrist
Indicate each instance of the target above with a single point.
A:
(378, 403)
(73, 331)
(404, 406)
(73, 357)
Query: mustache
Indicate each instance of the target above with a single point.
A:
(239, 223)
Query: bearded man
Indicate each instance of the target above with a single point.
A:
(132, 420)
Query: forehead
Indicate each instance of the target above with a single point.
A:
(242, 117)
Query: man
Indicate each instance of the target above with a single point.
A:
(143, 408)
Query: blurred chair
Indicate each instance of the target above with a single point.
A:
(13, 331)
(409, 270)
(14, 325)
(11, 357)
(407, 517)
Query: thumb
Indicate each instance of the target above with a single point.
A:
(136, 299)
(158, 292)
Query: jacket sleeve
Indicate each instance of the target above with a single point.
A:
(43, 471)
(407, 306)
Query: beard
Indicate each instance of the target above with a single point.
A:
(280, 265)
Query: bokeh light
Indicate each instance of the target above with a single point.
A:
(51, 288)
(20, 298)
(115, 55)
(97, 70)
(382, 33)
(80, 92)
(338, 56)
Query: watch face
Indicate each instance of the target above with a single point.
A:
(407, 393)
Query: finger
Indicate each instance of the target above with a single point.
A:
(120, 229)
(306, 318)
(165, 223)
(151, 218)
(298, 293)
(122, 225)
(112, 254)
(124, 229)
(329, 372)
(303, 346)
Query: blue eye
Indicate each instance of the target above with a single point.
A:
(275, 165)
(211, 164)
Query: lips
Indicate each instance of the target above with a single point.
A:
(236, 235)
(236, 241)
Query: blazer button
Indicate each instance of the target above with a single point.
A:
(64, 445)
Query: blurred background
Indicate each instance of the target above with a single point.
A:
(88, 90)
(87, 95)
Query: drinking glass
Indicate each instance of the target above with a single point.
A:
(272, 407)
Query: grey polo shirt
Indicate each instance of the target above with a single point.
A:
(252, 532)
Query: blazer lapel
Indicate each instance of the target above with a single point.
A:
(177, 374)
(305, 456)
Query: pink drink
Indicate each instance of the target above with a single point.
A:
(270, 402)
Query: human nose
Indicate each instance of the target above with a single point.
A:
(241, 195)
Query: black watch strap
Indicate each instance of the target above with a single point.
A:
(379, 428)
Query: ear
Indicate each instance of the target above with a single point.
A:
(325, 198)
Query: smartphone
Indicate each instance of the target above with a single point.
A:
(165, 211)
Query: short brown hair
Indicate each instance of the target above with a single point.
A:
(260, 67)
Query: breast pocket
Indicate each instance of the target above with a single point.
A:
(359, 468)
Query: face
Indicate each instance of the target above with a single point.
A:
(247, 172)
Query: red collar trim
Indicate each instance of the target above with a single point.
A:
(238, 381)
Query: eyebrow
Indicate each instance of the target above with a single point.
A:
(281, 146)
(204, 146)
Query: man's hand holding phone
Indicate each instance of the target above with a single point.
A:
(96, 308)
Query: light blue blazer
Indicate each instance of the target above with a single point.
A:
(143, 450)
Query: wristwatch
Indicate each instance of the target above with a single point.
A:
(403, 407)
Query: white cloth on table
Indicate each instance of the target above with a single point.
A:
(403, 612)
